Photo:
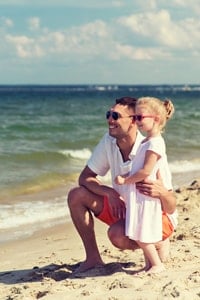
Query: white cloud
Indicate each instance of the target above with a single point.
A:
(6, 22)
(70, 3)
(160, 28)
(188, 6)
(34, 23)
(117, 3)
(25, 47)
(143, 35)
(87, 39)
(138, 53)
(101, 39)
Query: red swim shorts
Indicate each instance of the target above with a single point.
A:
(107, 217)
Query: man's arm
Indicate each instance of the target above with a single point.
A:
(89, 180)
(156, 189)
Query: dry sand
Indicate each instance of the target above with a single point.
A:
(41, 267)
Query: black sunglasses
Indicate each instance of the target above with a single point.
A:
(115, 115)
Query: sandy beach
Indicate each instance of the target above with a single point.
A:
(41, 266)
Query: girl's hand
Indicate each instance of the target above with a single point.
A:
(119, 180)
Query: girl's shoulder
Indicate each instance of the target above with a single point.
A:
(158, 143)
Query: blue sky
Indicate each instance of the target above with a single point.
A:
(99, 42)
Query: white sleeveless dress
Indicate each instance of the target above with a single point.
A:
(143, 213)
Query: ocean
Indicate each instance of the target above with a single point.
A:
(47, 134)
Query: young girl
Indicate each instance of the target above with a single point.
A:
(143, 213)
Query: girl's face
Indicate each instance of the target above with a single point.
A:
(145, 119)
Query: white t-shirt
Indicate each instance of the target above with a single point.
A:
(107, 156)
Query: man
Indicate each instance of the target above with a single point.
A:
(115, 152)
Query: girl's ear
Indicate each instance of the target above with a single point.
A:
(157, 118)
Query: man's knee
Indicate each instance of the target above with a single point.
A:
(75, 195)
(116, 235)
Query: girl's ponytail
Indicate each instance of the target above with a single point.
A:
(169, 108)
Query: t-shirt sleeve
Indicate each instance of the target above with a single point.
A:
(157, 145)
(98, 162)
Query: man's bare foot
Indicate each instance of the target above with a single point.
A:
(156, 269)
(87, 265)
(163, 248)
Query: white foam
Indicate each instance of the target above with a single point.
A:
(183, 166)
(28, 213)
(80, 154)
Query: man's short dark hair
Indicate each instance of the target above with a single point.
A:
(129, 101)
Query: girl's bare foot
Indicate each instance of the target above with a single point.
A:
(156, 269)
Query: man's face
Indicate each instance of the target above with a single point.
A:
(123, 126)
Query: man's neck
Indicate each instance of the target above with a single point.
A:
(125, 145)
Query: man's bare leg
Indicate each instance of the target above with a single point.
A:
(116, 234)
(81, 202)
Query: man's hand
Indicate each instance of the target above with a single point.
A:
(156, 189)
(152, 188)
(117, 204)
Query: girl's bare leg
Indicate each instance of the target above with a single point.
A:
(163, 249)
(152, 259)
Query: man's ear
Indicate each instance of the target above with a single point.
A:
(133, 121)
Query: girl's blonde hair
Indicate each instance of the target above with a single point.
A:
(164, 109)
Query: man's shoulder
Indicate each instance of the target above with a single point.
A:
(106, 143)
(108, 139)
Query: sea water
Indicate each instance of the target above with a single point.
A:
(47, 134)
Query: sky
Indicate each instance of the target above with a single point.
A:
(99, 42)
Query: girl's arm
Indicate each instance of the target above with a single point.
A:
(149, 163)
